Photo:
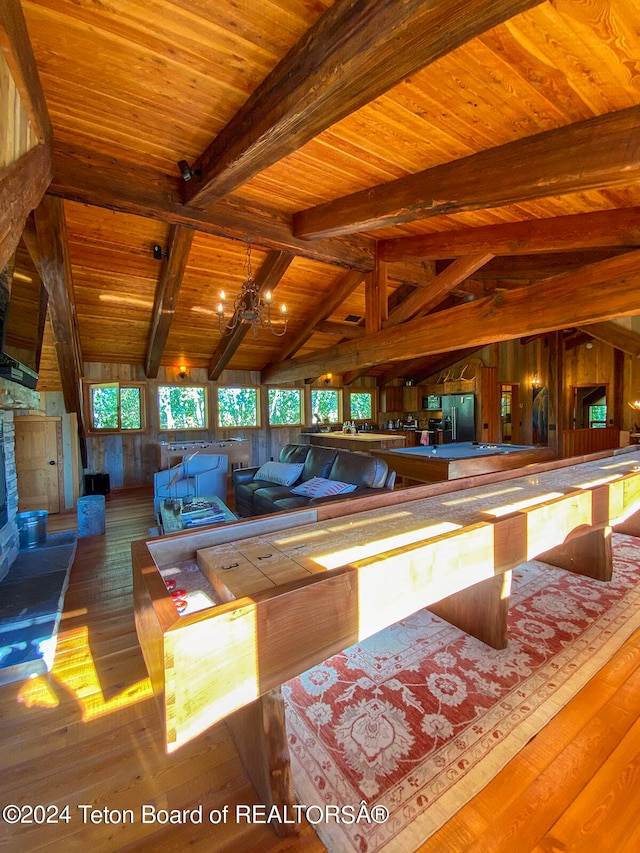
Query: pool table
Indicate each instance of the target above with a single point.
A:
(434, 463)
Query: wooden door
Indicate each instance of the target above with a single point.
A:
(38, 463)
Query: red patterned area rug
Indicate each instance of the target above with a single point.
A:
(420, 717)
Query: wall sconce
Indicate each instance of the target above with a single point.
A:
(327, 378)
(535, 381)
(182, 371)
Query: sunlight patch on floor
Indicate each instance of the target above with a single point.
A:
(76, 674)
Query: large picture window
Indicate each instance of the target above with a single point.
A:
(182, 407)
(325, 402)
(115, 407)
(238, 407)
(285, 407)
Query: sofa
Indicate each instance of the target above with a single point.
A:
(306, 475)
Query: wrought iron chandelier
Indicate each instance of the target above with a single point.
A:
(250, 306)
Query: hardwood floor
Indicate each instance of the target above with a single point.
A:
(90, 734)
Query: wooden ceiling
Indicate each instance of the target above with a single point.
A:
(485, 149)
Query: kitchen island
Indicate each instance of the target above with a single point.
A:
(365, 441)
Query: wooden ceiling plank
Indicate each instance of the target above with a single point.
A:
(268, 277)
(549, 305)
(16, 47)
(166, 295)
(55, 270)
(329, 306)
(615, 335)
(354, 53)
(600, 152)
(423, 299)
(579, 231)
(104, 182)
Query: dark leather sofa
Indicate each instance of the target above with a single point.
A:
(260, 497)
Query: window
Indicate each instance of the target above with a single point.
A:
(115, 408)
(238, 407)
(361, 405)
(285, 407)
(325, 403)
(598, 416)
(182, 407)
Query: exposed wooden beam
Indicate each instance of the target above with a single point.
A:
(340, 330)
(616, 336)
(575, 339)
(422, 368)
(578, 231)
(436, 367)
(30, 240)
(166, 295)
(353, 375)
(22, 185)
(329, 305)
(613, 286)
(90, 178)
(353, 53)
(425, 298)
(55, 270)
(375, 297)
(268, 277)
(514, 270)
(556, 411)
(16, 49)
(601, 152)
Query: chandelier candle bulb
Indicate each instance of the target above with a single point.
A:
(267, 297)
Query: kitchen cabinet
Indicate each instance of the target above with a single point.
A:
(410, 398)
(392, 399)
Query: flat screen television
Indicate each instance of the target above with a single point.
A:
(23, 311)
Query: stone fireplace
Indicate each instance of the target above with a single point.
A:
(13, 398)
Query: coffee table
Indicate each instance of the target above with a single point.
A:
(201, 512)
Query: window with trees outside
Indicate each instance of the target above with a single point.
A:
(238, 407)
(361, 405)
(325, 402)
(182, 407)
(114, 407)
(285, 407)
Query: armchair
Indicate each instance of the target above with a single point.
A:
(198, 476)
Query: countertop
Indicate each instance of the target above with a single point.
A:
(364, 437)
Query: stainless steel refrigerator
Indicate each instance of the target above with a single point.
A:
(459, 417)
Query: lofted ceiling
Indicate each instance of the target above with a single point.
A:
(322, 133)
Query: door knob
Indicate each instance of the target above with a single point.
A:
(51, 462)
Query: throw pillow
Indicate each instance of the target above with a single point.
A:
(281, 473)
(318, 487)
